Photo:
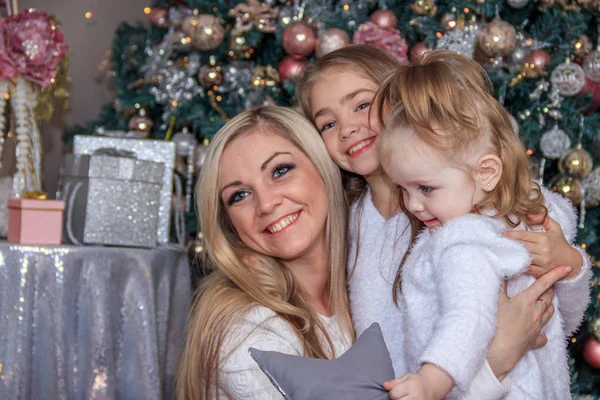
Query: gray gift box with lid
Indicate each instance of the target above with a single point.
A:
(112, 199)
(158, 151)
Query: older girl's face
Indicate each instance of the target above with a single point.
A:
(340, 101)
(274, 195)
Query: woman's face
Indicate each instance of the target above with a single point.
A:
(274, 195)
(340, 104)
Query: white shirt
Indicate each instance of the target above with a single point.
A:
(240, 376)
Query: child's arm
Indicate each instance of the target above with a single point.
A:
(430, 383)
(556, 247)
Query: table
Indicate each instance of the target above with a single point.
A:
(91, 322)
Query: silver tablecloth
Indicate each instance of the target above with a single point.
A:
(91, 322)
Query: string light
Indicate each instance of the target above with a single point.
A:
(147, 10)
(88, 15)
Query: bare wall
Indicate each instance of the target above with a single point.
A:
(88, 40)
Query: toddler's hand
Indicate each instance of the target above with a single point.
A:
(408, 387)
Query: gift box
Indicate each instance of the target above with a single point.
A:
(32, 221)
(112, 199)
(147, 150)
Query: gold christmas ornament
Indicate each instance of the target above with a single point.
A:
(253, 13)
(582, 46)
(264, 75)
(576, 162)
(424, 7)
(210, 75)
(204, 31)
(498, 38)
(448, 21)
(569, 188)
(238, 48)
(141, 123)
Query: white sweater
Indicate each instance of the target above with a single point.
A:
(451, 282)
(240, 377)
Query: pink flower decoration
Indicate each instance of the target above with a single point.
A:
(388, 39)
(7, 67)
(31, 45)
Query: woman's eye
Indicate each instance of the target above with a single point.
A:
(237, 196)
(362, 106)
(281, 170)
(327, 126)
(426, 189)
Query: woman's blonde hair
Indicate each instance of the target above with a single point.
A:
(243, 278)
(447, 90)
(367, 61)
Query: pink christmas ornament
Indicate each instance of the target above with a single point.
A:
(291, 68)
(158, 16)
(31, 45)
(384, 19)
(299, 39)
(387, 39)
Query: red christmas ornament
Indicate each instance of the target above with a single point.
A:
(384, 19)
(591, 352)
(417, 51)
(592, 88)
(291, 68)
(299, 39)
(537, 61)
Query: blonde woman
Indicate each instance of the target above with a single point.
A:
(272, 212)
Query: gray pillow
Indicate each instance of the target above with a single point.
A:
(357, 375)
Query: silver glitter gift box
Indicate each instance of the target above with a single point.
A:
(147, 150)
(112, 200)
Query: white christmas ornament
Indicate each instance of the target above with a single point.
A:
(591, 184)
(459, 41)
(568, 78)
(183, 142)
(591, 65)
(555, 142)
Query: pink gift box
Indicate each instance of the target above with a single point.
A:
(35, 221)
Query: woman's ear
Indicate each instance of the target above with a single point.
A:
(490, 171)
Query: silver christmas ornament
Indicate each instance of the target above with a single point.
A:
(459, 41)
(517, 4)
(554, 143)
(199, 157)
(183, 141)
(568, 78)
(591, 65)
(591, 184)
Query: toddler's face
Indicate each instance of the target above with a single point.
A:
(433, 190)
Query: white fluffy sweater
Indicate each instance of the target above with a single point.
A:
(382, 244)
(451, 283)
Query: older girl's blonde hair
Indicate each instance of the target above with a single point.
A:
(234, 286)
(447, 90)
(367, 61)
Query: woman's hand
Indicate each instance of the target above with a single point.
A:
(520, 320)
(548, 249)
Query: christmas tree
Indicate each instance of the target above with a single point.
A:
(194, 64)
